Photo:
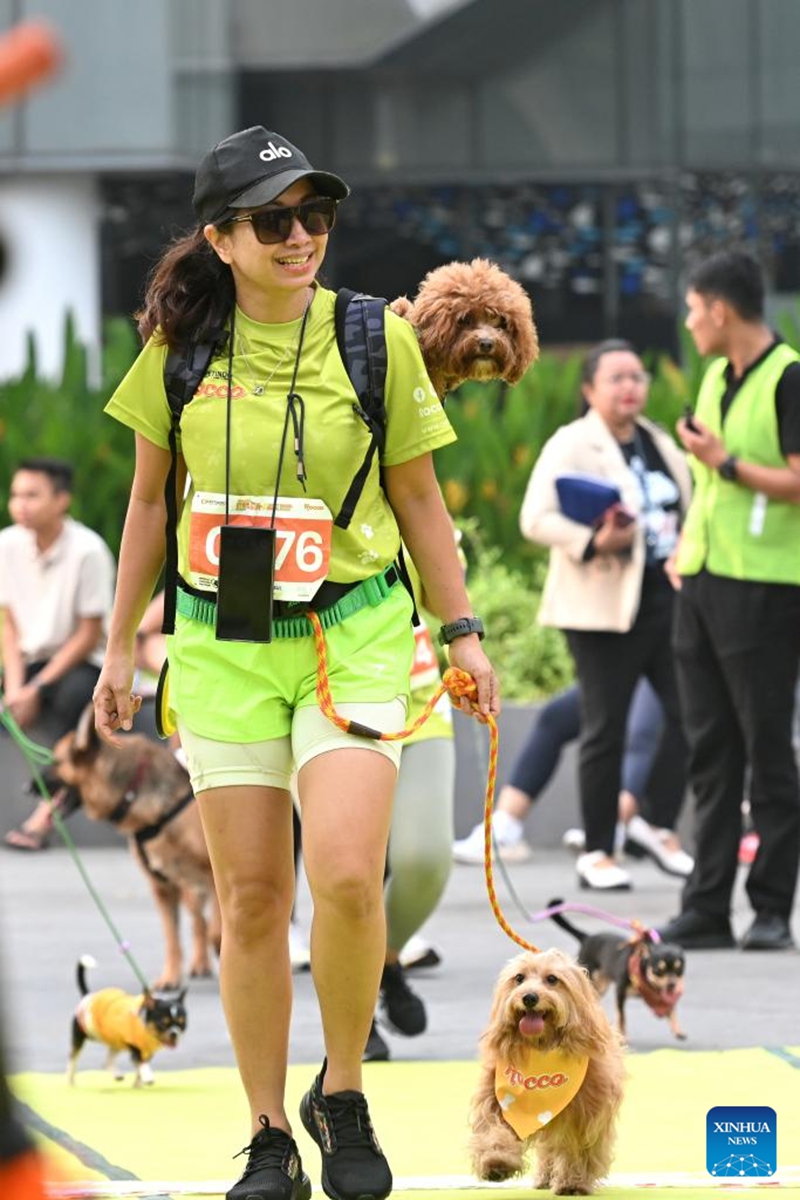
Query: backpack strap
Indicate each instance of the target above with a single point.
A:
(184, 369)
(361, 339)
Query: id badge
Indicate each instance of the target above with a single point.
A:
(246, 579)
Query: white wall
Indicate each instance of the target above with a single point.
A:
(49, 225)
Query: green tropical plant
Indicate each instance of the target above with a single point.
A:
(531, 660)
(788, 325)
(500, 431)
(65, 419)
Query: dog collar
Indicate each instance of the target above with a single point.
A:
(533, 1086)
(121, 810)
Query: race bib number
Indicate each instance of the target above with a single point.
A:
(303, 528)
(425, 667)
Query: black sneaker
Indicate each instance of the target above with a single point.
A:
(353, 1164)
(402, 1008)
(376, 1049)
(273, 1171)
(769, 931)
(695, 930)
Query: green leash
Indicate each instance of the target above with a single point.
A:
(38, 756)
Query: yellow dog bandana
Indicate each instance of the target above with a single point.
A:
(536, 1086)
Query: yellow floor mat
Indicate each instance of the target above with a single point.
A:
(177, 1138)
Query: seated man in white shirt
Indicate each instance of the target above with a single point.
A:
(56, 590)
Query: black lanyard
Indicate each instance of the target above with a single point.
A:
(295, 408)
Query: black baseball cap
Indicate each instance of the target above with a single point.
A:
(251, 168)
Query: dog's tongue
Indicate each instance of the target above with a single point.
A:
(531, 1024)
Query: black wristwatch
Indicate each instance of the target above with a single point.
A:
(729, 469)
(460, 628)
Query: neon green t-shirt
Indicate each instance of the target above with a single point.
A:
(335, 441)
(335, 438)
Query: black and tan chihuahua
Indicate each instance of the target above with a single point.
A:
(634, 966)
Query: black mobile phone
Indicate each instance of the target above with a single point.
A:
(688, 418)
(246, 578)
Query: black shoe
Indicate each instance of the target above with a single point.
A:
(376, 1049)
(403, 1010)
(353, 1164)
(699, 931)
(274, 1170)
(769, 931)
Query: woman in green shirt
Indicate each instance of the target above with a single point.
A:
(271, 441)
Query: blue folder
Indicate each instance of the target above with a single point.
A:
(585, 498)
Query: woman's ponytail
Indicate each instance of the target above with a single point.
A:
(189, 293)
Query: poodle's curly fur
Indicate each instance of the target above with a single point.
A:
(473, 321)
(574, 1150)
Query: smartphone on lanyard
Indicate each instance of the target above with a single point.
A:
(246, 581)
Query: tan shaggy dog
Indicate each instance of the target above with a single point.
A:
(473, 321)
(545, 1003)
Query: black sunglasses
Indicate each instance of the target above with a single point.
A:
(273, 225)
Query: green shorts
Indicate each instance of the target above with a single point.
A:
(244, 692)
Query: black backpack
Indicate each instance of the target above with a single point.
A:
(361, 341)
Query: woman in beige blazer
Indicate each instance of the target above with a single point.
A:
(608, 588)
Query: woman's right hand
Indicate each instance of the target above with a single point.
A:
(612, 537)
(114, 704)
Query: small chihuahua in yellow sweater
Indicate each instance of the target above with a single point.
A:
(140, 1024)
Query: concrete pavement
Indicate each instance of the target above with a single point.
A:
(48, 919)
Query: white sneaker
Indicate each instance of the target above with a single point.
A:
(299, 953)
(662, 846)
(470, 850)
(574, 839)
(418, 953)
(609, 878)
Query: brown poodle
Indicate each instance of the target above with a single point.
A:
(544, 1005)
(473, 321)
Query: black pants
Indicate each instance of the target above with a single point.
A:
(737, 646)
(559, 723)
(64, 701)
(609, 665)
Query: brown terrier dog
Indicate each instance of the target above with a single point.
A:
(473, 321)
(551, 1080)
(144, 791)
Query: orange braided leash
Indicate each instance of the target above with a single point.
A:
(458, 683)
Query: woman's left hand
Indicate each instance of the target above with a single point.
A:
(467, 654)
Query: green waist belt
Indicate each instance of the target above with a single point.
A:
(370, 592)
